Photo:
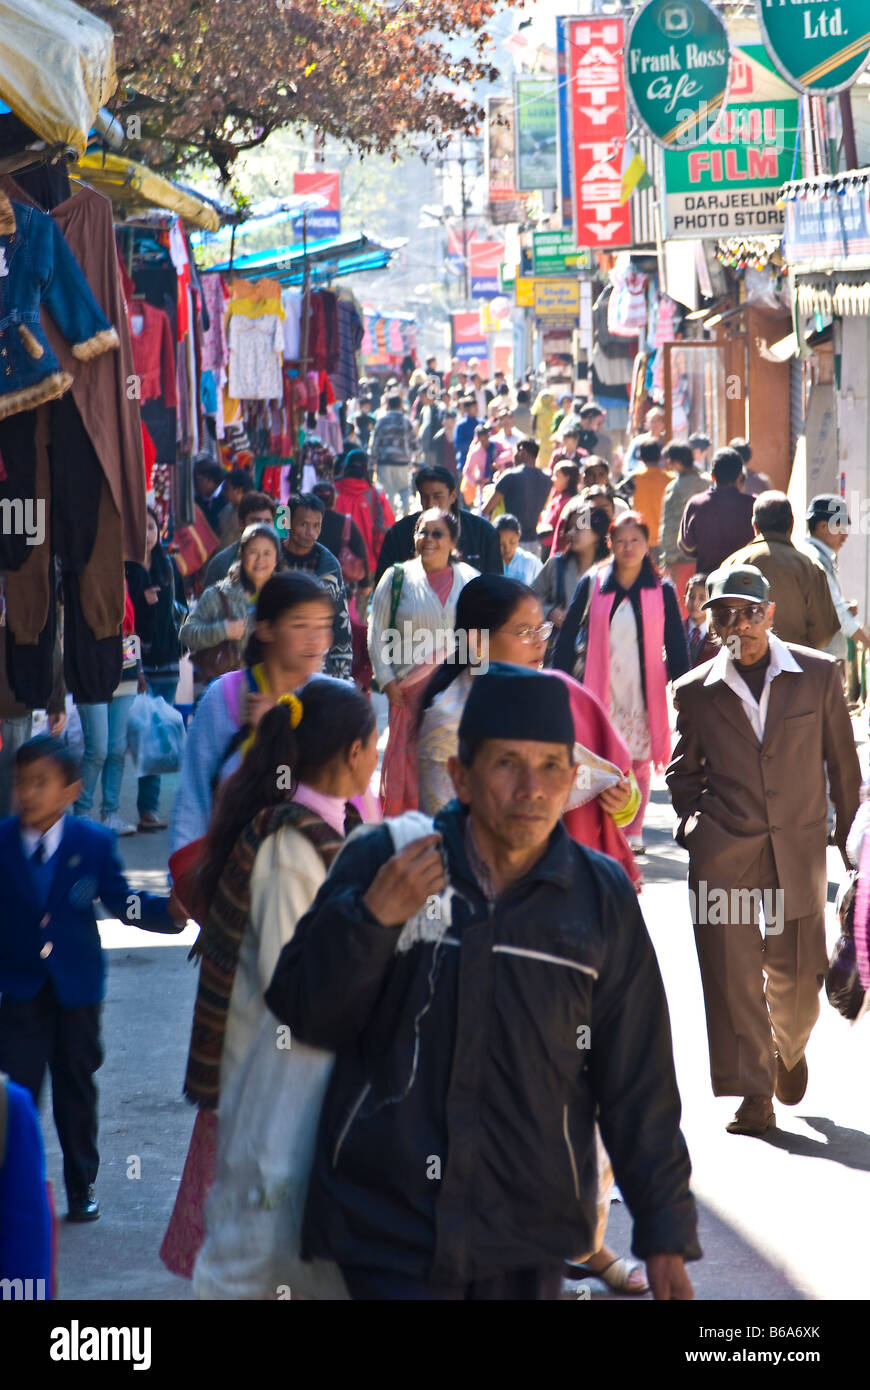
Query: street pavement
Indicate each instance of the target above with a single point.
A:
(786, 1217)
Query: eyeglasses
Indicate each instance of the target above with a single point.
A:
(431, 535)
(727, 617)
(531, 635)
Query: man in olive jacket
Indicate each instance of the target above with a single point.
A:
(759, 728)
(480, 1034)
(805, 611)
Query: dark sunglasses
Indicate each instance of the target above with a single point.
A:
(724, 616)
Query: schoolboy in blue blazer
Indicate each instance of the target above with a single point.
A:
(52, 974)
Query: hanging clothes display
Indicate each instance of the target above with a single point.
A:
(256, 341)
(37, 267)
(345, 375)
(215, 350)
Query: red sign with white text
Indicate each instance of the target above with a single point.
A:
(598, 127)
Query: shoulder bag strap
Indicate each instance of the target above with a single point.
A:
(396, 592)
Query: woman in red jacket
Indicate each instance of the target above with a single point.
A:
(357, 496)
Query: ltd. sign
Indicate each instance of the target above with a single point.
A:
(816, 45)
(676, 69)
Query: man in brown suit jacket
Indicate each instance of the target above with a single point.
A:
(759, 726)
(805, 611)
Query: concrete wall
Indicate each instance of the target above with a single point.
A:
(854, 453)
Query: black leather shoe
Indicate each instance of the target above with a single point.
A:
(83, 1207)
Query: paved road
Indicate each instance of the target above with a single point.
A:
(781, 1218)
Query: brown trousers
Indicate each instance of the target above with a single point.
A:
(761, 992)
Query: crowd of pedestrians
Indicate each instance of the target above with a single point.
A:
(430, 1031)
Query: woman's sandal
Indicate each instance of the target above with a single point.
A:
(616, 1275)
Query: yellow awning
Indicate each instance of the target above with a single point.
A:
(57, 68)
(134, 187)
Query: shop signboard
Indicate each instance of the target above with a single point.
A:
(535, 128)
(676, 69)
(554, 253)
(563, 129)
(524, 292)
(730, 185)
(829, 224)
(323, 222)
(485, 259)
(558, 299)
(598, 128)
(468, 341)
(819, 46)
(505, 202)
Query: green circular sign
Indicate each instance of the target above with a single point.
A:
(677, 63)
(819, 46)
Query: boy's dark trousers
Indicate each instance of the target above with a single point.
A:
(38, 1033)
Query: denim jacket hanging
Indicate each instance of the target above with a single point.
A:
(38, 268)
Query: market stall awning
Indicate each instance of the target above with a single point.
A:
(327, 259)
(134, 188)
(57, 68)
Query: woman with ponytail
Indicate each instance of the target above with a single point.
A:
(278, 822)
(291, 637)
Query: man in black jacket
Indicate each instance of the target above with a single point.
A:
(481, 1032)
(478, 540)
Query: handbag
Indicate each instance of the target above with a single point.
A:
(581, 641)
(352, 567)
(194, 544)
(226, 656)
(842, 983)
(395, 598)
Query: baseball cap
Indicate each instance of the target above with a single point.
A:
(827, 506)
(743, 581)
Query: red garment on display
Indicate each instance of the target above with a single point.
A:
(154, 354)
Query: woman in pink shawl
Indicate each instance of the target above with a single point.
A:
(623, 637)
(500, 619)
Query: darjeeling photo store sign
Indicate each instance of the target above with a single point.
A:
(730, 184)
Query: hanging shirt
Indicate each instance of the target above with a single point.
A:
(256, 356)
(153, 353)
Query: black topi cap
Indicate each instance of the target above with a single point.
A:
(513, 702)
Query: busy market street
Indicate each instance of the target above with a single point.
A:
(434, 671)
(753, 1247)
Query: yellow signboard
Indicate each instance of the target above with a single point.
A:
(524, 289)
(557, 298)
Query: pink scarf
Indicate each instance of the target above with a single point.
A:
(597, 674)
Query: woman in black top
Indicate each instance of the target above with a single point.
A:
(155, 589)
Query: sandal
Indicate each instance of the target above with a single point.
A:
(616, 1275)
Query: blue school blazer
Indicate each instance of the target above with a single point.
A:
(60, 941)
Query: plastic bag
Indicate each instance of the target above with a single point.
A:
(155, 736)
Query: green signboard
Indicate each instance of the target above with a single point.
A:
(730, 185)
(535, 127)
(819, 46)
(554, 253)
(676, 69)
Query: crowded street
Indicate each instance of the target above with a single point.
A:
(748, 1194)
(434, 669)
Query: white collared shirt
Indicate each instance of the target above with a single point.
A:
(51, 839)
(724, 668)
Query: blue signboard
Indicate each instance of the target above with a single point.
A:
(321, 223)
(827, 223)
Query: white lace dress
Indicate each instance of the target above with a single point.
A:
(627, 709)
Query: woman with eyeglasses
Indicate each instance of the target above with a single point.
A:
(410, 633)
(621, 619)
(500, 619)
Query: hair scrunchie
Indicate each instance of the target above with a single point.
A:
(294, 704)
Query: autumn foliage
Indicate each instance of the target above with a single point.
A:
(210, 78)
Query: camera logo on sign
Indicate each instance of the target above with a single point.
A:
(676, 21)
